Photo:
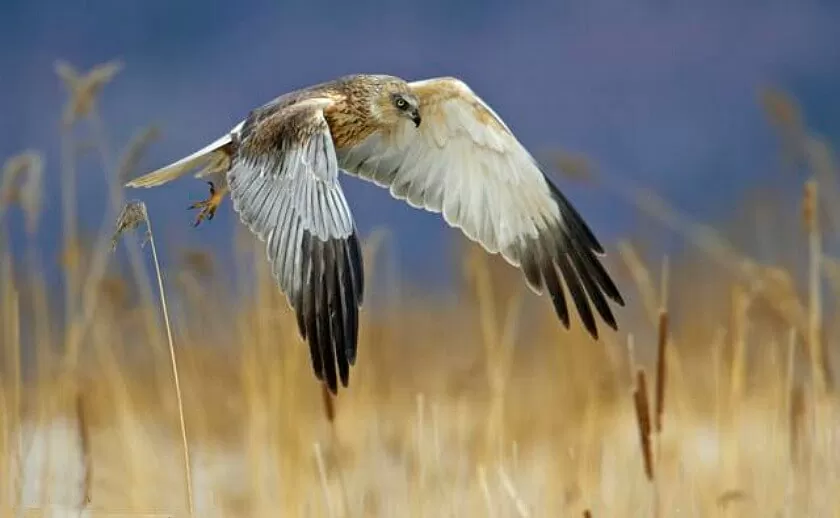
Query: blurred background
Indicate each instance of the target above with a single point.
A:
(697, 139)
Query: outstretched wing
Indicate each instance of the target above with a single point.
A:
(464, 162)
(284, 185)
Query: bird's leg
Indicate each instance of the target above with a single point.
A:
(208, 207)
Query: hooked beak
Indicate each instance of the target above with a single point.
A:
(415, 117)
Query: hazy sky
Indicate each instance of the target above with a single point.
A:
(662, 93)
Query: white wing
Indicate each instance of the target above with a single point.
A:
(464, 162)
(284, 185)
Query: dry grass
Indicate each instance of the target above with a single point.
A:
(474, 405)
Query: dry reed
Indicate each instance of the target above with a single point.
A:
(134, 215)
(642, 408)
(419, 433)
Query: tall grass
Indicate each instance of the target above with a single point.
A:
(714, 399)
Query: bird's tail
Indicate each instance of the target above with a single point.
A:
(215, 157)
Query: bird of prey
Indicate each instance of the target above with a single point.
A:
(433, 143)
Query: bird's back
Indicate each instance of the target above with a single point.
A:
(285, 100)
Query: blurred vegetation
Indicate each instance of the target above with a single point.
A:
(714, 399)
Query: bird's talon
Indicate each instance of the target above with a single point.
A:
(208, 207)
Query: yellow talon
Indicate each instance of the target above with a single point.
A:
(208, 207)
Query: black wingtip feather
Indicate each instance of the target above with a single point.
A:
(327, 306)
(349, 300)
(569, 248)
(529, 263)
(307, 314)
(555, 289)
(580, 230)
(355, 255)
(354, 293)
(578, 295)
(334, 309)
(595, 295)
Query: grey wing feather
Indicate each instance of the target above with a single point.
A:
(284, 185)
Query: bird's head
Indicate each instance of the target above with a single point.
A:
(392, 101)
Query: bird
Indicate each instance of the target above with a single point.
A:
(433, 143)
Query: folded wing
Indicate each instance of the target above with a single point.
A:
(464, 162)
(284, 185)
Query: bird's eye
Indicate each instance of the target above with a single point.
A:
(401, 104)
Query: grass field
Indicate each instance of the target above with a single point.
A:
(714, 399)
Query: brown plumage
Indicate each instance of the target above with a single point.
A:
(434, 144)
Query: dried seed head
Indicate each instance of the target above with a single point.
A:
(132, 216)
(85, 88)
(781, 109)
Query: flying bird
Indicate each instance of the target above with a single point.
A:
(433, 143)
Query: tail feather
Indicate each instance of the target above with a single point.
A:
(217, 153)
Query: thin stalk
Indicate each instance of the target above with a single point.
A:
(175, 377)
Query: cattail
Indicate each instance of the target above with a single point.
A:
(587, 513)
(329, 405)
(640, 400)
(661, 367)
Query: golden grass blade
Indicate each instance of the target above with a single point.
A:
(815, 342)
(84, 441)
(11, 380)
(322, 473)
(520, 505)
